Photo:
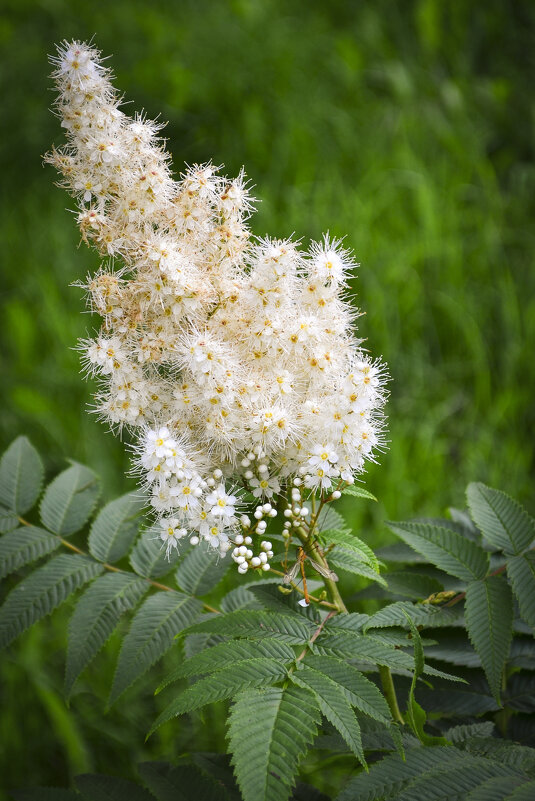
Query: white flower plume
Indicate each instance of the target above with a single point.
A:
(232, 360)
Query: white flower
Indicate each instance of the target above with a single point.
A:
(227, 358)
(171, 533)
(221, 504)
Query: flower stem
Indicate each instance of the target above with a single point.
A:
(390, 693)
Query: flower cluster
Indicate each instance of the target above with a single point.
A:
(230, 359)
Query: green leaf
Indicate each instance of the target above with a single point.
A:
(345, 559)
(388, 776)
(151, 634)
(521, 572)
(42, 591)
(453, 782)
(489, 621)
(115, 528)
(200, 570)
(416, 586)
(345, 538)
(332, 701)
(21, 476)
(445, 548)
(423, 615)
(255, 624)
(223, 684)
(24, 545)
(416, 715)
(459, 734)
(359, 691)
(69, 500)
(225, 654)
(8, 520)
(181, 783)
(96, 615)
(148, 557)
(358, 492)
(501, 520)
(97, 787)
(269, 732)
(502, 788)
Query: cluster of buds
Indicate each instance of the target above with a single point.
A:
(245, 558)
(231, 361)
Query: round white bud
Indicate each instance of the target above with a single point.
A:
(336, 494)
(267, 507)
(256, 561)
(249, 474)
(248, 540)
(194, 540)
(218, 473)
(243, 568)
(238, 539)
(287, 513)
(245, 462)
(265, 567)
(273, 513)
(258, 515)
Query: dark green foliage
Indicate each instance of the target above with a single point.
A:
(287, 673)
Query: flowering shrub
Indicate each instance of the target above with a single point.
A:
(232, 360)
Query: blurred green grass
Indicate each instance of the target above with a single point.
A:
(407, 127)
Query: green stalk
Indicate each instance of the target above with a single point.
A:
(390, 693)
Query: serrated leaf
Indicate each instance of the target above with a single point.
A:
(267, 748)
(330, 518)
(151, 634)
(225, 654)
(521, 572)
(388, 776)
(97, 787)
(423, 615)
(256, 624)
(505, 752)
(115, 528)
(96, 615)
(502, 521)
(370, 649)
(343, 559)
(455, 702)
(332, 701)
(248, 673)
(42, 591)
(445, 548)
(453, 782)
(8, 520)
(24, 545)
(359, 691)
(400, 552)
(455, 649)
(201, 570)
(239, 598)
(21, 476)
(181, 783)
(520, 692)
(459, 734)
(502, 788)
(148, 557)
(489, 621)
(358, 492)
(345, 538)
(69, 500)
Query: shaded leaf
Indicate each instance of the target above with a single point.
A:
(256, 624)
(115, 527)
(24, 545)
(445, 548)
(151, 634)
(489, 621)
(181, 783)
(69, 500)
(96, 615)
(42, 591)
(201, 569)
(21, 476)
(332, 701)
(521, 572)
(223, 684)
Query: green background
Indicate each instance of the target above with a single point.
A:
(406, 127)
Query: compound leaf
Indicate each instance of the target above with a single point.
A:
(21, 476)
(69, 500)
